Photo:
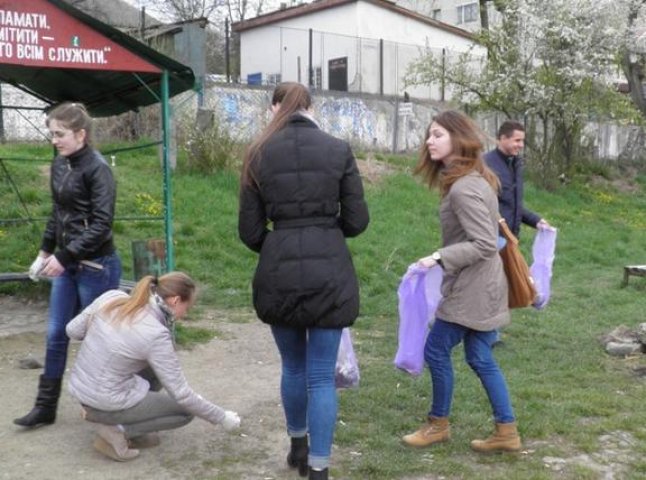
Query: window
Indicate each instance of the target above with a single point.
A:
(468, 13)
(318, 78)
(436, 14)
(274, 78)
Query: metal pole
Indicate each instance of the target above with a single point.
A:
(311, 72)
(381, 66)
(2, 135)
(396, 125)
(227, 57)
(442, 95)
(142, 23)
(168, 196)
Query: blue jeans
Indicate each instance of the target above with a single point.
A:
(477, 349)
(307, 386)
(71, 292)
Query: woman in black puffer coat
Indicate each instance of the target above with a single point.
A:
(301, 196)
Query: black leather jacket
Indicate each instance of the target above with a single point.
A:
(83, 199)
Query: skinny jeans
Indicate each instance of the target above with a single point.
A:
(307, 386)
(72, 291)
(478, 355)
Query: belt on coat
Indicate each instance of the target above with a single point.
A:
(325, 222)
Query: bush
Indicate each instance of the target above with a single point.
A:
(207, 145)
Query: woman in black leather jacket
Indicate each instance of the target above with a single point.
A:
(77, 250)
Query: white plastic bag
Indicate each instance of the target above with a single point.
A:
(541, 269)
(346, 374)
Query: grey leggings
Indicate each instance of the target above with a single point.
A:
(157, 411)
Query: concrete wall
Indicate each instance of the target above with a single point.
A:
(368, 122)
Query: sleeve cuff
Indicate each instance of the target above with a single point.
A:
(64, 257)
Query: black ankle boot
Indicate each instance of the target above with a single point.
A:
(318, 474)
(297, 457)
(44, 411)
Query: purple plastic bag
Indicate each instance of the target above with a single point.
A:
(346, 374)
(541, 269)
(419, 295)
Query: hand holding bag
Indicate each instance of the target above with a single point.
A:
(419, 295)
(522, 291)
(346, 374)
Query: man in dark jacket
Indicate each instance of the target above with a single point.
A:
(505, 161)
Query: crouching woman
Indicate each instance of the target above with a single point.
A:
(127, 355)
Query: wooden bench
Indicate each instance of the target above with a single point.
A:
(125, 285)
(636, 270)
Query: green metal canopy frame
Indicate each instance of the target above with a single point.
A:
(58, 53)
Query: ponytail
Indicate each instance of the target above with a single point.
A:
(169, 285)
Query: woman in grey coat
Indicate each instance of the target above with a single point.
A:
(474, 287)
(127, 355)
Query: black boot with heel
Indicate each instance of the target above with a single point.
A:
(297, 457)
(44, 411)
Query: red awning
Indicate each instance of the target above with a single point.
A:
(57, 53)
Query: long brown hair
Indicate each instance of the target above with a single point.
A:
(74, 116)
(292, 97)
(172, 284)
(466, 155)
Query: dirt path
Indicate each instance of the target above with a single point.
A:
(239, 370)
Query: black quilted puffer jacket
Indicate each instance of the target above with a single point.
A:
(307, 200)
(83, 200)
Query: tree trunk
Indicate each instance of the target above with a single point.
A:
(634, 72)
(484, 14)
(633, 64)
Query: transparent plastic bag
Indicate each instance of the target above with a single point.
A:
(346, 374)
(541, 270)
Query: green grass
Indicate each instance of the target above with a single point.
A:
(566, 391)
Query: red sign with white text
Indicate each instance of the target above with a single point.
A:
(35, 33)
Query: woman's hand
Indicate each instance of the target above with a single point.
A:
(231, 421)
(52, 267)
(543, 225)
(427, 262)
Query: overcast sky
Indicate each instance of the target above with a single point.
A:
(270, 5)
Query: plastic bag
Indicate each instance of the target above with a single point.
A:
(541, 269)
(346, 374)
(419, 296)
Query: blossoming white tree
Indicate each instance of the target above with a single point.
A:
(553, 64)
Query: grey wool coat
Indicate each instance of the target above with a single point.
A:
(474, 287)
(309, 191)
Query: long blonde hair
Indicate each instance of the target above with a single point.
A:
(292, 97)
(466, 155)
(173, 284)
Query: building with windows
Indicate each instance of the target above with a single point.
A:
(346, 45)
(461, 13)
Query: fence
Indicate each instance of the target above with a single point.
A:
(327, 61)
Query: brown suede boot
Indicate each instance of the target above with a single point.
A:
(504, 439)
(435, 430)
